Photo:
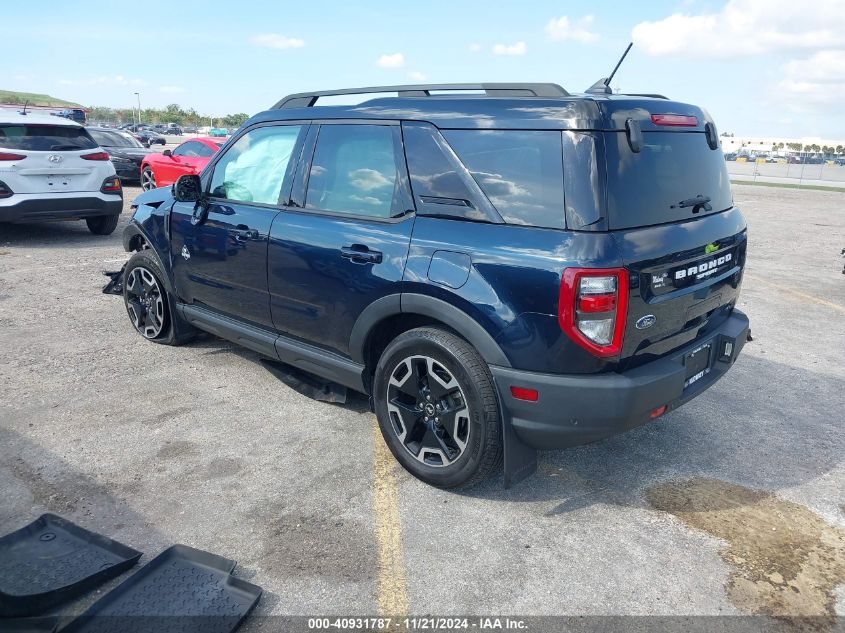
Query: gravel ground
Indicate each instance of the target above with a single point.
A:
(201, 445)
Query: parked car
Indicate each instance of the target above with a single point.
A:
(174, 130)
(730, 156)
(150, 137)
(418, 249)
(74, 114)
(52, 169)
(162, 170)
(125, 150)
(190, 129)
(218, 131)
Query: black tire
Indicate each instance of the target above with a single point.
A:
(103, 224)
(148, 179)
(472, 437)
(141, 264)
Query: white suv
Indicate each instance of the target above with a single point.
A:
(51, 169)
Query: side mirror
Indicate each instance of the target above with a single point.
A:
(167, 152)
(187, 188)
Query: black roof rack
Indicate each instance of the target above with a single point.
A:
(644, 94)
(308, 99)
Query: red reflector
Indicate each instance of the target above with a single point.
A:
(674, 119)
(10, 156)
(95, 156)
(658, 412)
(597, 303)
(523, 393)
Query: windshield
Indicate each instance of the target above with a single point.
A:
(114, 139)
(676, 176)
(45, 138)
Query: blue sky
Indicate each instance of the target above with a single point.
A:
(759, 66)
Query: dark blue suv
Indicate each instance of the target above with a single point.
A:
(502, 269)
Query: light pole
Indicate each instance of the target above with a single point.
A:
(138, 94)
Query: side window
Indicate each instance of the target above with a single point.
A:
(202, 151)
(520, 172)
(354, 171)
(439, 189)
(253, 169)
(192, 149)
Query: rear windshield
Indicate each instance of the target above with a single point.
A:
(45, 138)
(649, 187)
(520, 172)
(114, 139)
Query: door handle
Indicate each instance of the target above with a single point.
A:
(243, 235)
(360, 254)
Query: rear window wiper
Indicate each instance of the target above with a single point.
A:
(696, 203)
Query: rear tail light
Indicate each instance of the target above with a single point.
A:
(593, 307)
(5, 192)
(95, 156)
(678, 120)
(111, 185)
(10, 156)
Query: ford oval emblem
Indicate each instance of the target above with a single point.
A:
(646, 322)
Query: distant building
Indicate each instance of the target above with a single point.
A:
(772, 145)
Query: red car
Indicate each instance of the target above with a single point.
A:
(162, 170)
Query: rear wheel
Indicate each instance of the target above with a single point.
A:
(148, 179)
(103, 224)
(437, 408)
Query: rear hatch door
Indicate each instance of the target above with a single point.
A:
(670, 210)
(53, 160)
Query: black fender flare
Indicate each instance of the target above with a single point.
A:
(424, 305)
(134, 230)
(130, 233)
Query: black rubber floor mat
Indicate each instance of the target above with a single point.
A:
(182, 589)
(51, 560)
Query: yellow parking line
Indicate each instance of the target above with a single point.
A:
(803, 295)
(392, 585)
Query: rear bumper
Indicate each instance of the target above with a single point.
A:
(33, 208)
(577, 409)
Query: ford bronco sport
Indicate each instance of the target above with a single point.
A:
(501, 271)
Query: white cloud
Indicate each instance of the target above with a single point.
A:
(746, 27)
(171, 90)
(416, 75)
(274, 40)
(396, 60)
(368, 179)
(817, 80)
(474, 48)
(563, 28)
(519, 48)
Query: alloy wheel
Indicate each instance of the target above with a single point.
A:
(144, 302)
(148, 180)
(428, 411)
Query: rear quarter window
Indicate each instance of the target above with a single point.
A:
(45, 138)
(521, 172)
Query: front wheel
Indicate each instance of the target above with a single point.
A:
(437, 408)
(148, 179)
(147, 301)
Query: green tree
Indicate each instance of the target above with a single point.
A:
(235, 120)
